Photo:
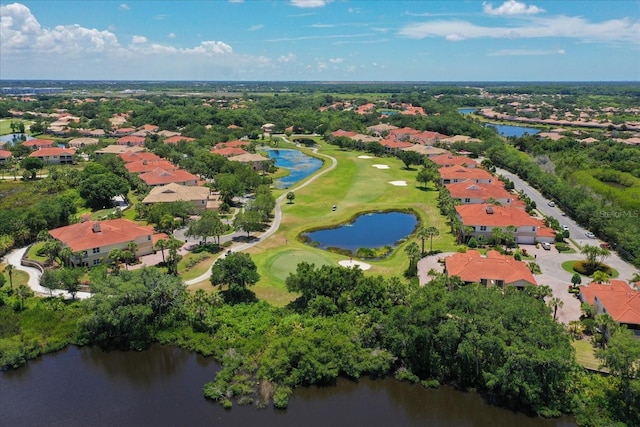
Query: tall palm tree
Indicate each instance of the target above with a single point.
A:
(431, 232)
(9, 270)
(413, 252)
(162, 244)
(555, 303)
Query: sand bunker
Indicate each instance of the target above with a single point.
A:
(381, 166)
(349, 263)
(398, 183)
(365, 157)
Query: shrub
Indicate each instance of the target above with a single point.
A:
(403, 374)
(562, 247)
(281, 397)
(473, 243)
(585, 269)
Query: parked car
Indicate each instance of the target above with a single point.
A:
(565, 227)
(590, 235)
(552, 204)
(546, 246)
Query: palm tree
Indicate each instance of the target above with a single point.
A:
(9, 270)
(431, 232)
(413, 252)
(162, 244)
(116, 255)
(600, 277)
(591, 252)
(23, 293)
(555, 303)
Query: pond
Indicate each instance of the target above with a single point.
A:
(10, 138)
(466, 111)
(299, 165)
(371, 230)
(510, 130)
(162, 386)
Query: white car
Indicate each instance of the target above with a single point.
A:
(552, 204)
(565, 228)
(546, 246)
(590, 235)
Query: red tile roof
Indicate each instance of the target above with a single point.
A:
(137, 141)
(471, 190)
(160, 177)
(620, 301)
(53, 151)
(130, 156)
(451, 160)
(472, 267)
(461, 173)
(4, 154)
(38, 143)
(229, 151)
(150, 128)
(500, 216)
(341, 132)
(142, 166)
(236, 143)
(81, 236)
(176, 139)
(392, 143)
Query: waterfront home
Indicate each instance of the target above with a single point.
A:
(617, 299)
(493, 270)
(55, 155)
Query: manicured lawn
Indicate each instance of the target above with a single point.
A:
(188, 273)
(585, 354)
(568, 266)
(5, 125)
(19, 277)
(355, 186)
(33, 255)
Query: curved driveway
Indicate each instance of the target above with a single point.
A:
(277, 219)
(14, 257)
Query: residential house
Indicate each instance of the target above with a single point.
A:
(343, 133)
(142, 166)
(177, 139)
(240, 143)
(468, 192)
(381, 129)
(451, 174)
(427, 150)
(123, 132)
(139, 156)
(617, 299)
(228, 151)
(256, 161)
(392, 145)
(117, 149)
(427, 137)
(493, 270)
(201, 197)
(480, 220)
(82, 142)
(36, 144)
(5, 156)
(131, 141)
(55, 155)
(449, 160)
(160, 176)
(402, 134)
(93, 240)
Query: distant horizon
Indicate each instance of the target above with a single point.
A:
(321, 40)
(327, 81)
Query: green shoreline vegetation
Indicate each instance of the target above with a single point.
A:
(283, 314)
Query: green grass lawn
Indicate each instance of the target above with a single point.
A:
(202, 265)
(585, 354)
(32, 254)
(355, 186)
(568, 266)
(5, 125)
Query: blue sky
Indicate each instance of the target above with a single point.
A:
(321, 40)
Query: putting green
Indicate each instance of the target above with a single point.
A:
(284, 263)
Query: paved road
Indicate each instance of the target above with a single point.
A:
(277, 219)
(14, 258)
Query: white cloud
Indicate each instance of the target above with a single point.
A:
(336, 60)
(171, 35)
(209, 48)
(620, 30)
(256, 27)
(138, 39)
(307, 4)
(160, 17)
(526, 52)
(287, 58)
(124, 6)
(511, 7)
(322, 25)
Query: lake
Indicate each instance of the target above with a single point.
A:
(299, 165)
(162, 386)
(371, 230)
(510, 130)
(9, 138)
(466, 111)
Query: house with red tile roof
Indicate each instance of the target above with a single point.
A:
(480, 220)
(366, 108)
(177, 139)
(160, 176)
(36, 144)
(381, 128)
(55, 155)
(150, 128)
(448, 160)
(428, 137)
(123, 131)
(393, 145)
(236, 143)
(229, 151)
(617, 299)
(402, 134)
(452, 174)
(338, 133)
(131, 141)
(256, 161)
(118, 150)
(201, 197)
(137, 156)
(468, 192)
(142, 166)
(493, 270)
(5, 156)
(93, 240)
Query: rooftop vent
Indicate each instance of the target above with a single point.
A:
(96, 227)
(489, 209)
